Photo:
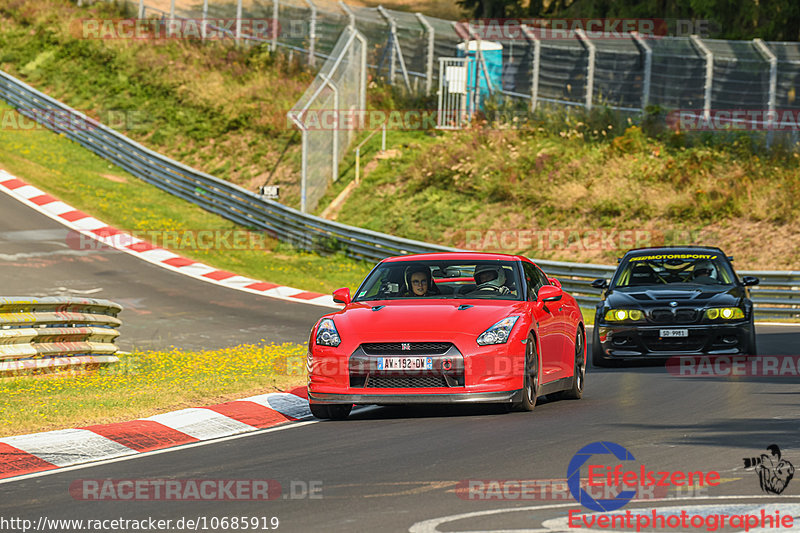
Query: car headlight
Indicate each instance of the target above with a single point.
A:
(724, 313)
(499, 332)
(327, 335)
(623, 315)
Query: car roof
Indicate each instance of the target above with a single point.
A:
(463, 256)
(674, 249)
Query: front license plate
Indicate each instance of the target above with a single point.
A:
(665, 333)
(405, 363)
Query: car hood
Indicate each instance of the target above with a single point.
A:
(685, 294)
(390, 319)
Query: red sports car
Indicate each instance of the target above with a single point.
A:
(448, 328)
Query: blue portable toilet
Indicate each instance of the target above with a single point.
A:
(493, 57)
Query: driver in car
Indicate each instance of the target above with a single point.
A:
(490, 278)
(420, 282)
(703, 272)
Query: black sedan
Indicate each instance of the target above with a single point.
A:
(669, 301)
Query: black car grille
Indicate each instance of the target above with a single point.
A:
(396, 348)
(409, 382)
(673, 316)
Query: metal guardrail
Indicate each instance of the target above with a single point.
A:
(49, 333)
(777, 296)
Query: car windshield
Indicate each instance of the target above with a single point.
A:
(672, 268)
(396, 280)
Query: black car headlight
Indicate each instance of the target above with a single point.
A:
(724, 313)
(327, 335)
(624, 315)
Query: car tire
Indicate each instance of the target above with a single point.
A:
(579, 372)
(330, 412)
(597, 351)
(530, 384)
(752, 349)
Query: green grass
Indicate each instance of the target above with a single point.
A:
(147, 383)
(87, 182)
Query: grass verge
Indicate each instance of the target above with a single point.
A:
(147, 383)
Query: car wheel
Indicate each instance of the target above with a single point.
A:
(530, 388)
(597, 351)
(576, 391)
(330, 412)
(752, 349)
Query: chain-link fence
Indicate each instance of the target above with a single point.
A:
(623, 71)
(329, 113)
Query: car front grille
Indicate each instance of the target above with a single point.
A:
(673, 316)
(414, 348)
(408, 382)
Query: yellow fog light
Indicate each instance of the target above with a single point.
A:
(620, 315)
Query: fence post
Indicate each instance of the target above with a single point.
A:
(170, 23)
(349, 14)
(362, 77)
(141, 9)
(238, 22)
(397, 52)
(589, 68)
(429, 57)
(537, 53)
(312, 33)
(770, 56)
(204, 23)
(335, 154)
(648, 68)
(709, 81)
(275, 18)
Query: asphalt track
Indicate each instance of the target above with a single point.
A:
(391, 469)
(162, 308)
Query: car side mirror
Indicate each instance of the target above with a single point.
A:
(554, 282)
(600, 283)
(749, 281)
(342, 296)
(550, 293)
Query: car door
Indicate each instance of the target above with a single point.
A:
(547, 324)
(565, 355)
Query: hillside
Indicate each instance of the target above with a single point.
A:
(490, 186)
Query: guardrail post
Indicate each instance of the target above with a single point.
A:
(430, 50)
(648, 68)
(709, 78)
(275, 18)
(589, 67)
(535, 64)
(312, 34)
(204, 23)
(238, 22)
(772, 59)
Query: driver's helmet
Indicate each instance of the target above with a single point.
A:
(489, 276)
(703, 268)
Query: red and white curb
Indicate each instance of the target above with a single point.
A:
(38, 452)
(113, 238)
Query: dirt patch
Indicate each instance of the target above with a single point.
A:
(115, 179)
